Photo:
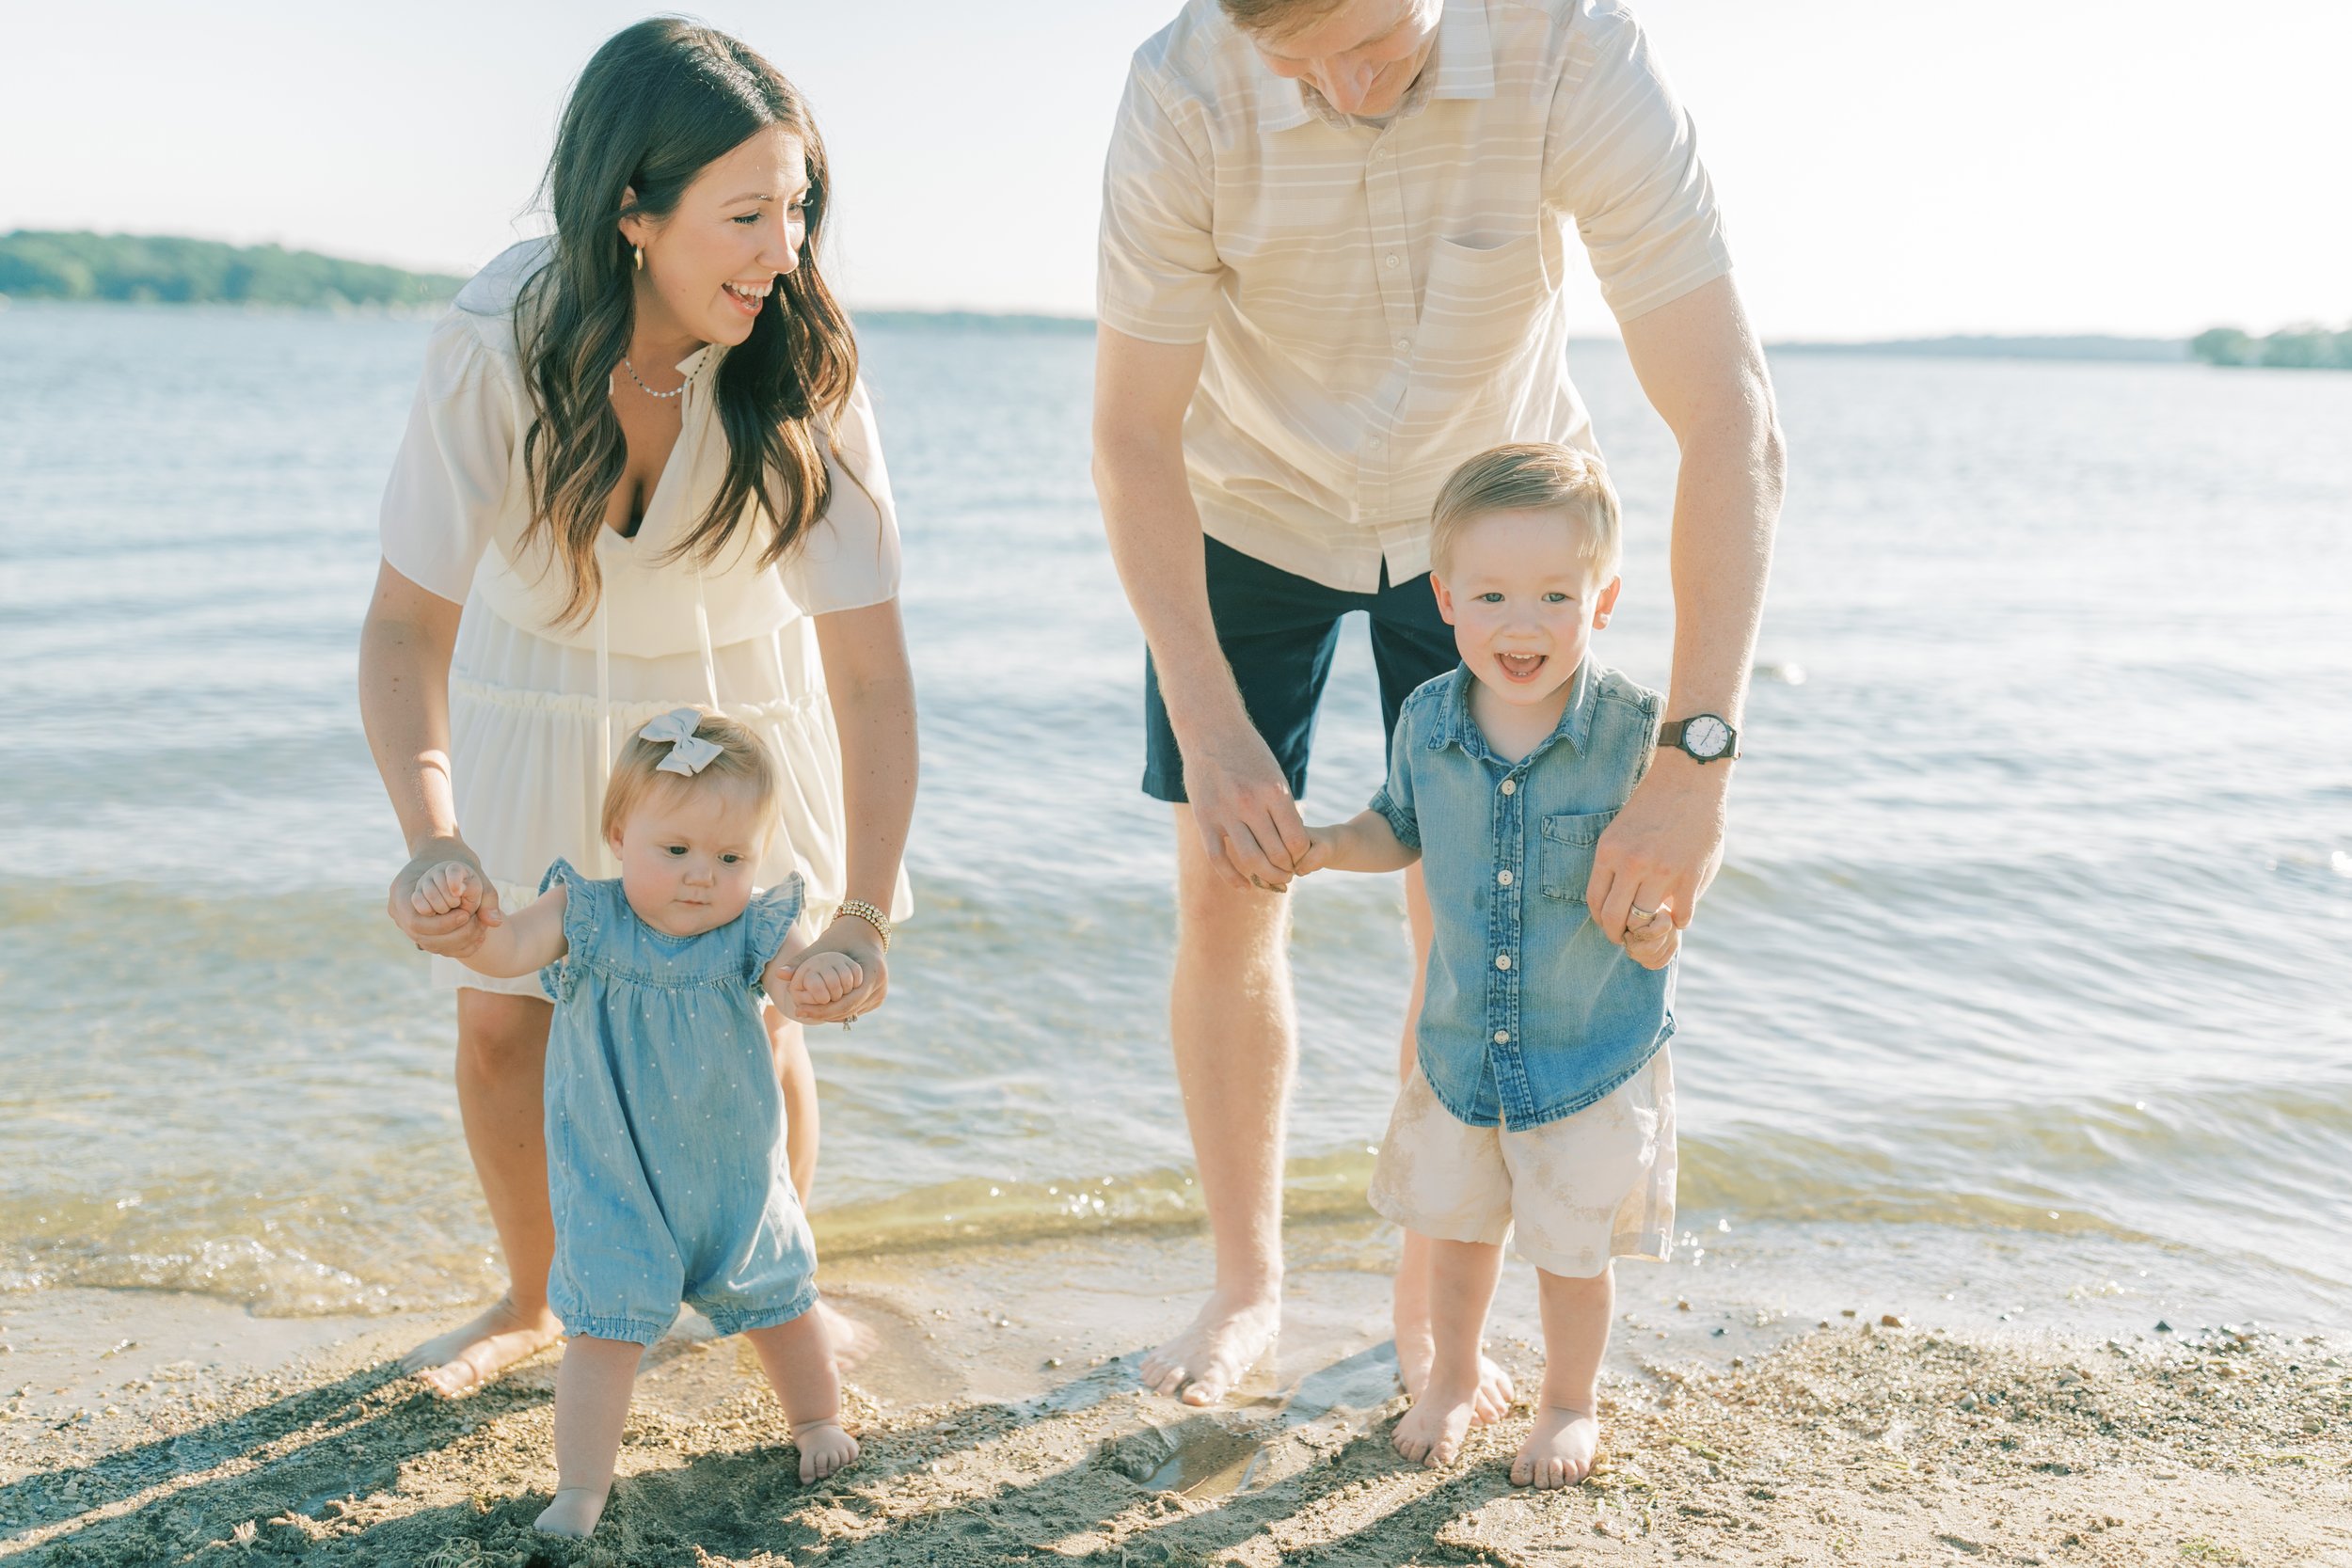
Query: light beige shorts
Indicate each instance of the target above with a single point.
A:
(1578, 1191)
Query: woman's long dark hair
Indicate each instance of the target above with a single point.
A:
(658, 102)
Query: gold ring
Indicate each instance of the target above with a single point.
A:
(1645, 914)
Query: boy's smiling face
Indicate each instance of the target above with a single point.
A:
(1524, 597)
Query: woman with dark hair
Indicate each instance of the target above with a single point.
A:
(641, 473)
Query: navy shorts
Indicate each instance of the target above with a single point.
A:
(1278, 631)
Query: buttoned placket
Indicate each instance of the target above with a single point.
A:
(1387, 230)
(1505, 931)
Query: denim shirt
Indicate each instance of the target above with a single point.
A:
(1529, 1014)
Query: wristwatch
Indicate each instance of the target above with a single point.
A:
(1702, 738)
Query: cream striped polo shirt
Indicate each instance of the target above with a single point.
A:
(1381, 301)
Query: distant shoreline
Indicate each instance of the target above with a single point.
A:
(81, 268)
(2169, 351)
(163, 269)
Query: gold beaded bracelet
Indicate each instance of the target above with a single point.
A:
(869, 914)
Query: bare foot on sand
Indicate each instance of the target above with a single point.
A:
(459, 1362)
(574, 1512)
(1431, 1432)
(1415, 1352)
(851, 1340)
(1559, 1451)
(824, 1449)
(1201, 1365)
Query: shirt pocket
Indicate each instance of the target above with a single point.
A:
(1479, 309)
(1566, 864)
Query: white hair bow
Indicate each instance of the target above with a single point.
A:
(690, 753)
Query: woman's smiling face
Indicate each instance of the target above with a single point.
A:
(713, 264)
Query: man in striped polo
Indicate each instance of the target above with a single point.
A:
(1333, 246)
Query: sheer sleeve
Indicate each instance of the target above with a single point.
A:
(449, 483)
(850, 557)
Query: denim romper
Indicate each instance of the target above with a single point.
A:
(666, 1166)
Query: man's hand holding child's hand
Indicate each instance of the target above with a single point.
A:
(1321, 844)
(1653, 942)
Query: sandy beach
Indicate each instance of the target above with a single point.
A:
(1002, 1423)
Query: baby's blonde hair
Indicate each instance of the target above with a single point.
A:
(741, 759)
(1530, 476)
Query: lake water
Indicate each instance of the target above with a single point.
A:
(2028, 977)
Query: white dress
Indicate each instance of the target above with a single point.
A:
(538, 711)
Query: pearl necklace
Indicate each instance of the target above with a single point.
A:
(679, 391)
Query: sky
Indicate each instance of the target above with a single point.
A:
(1888, 168)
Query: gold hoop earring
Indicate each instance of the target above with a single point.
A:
(641, 256)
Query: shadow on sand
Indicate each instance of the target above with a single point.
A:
(371, 1469)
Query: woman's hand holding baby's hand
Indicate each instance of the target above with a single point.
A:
(840, 976)
(437, 922)
(853, 941)
(1653, 942)
(447, 888)
(820, 980)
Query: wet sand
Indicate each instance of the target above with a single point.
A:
(1002, 1424)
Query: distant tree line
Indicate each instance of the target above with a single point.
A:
(2310, 347)
(156, 268)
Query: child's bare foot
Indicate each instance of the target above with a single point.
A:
(1431, 1432)
(1559, 1451)
(574, 1512)
(1417, 1350)
(1201, 1365)
(824, 1448)
(798, 1356)
(459, 1362)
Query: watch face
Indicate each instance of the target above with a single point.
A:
(1707, 735)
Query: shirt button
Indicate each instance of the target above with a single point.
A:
(1510, 787)
(1390, 259)
(1502, 1037)
(1503, 961)
(1504, 876)
(1403, 344)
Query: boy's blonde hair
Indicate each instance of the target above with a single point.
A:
(742, 759)
(1530, 476)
